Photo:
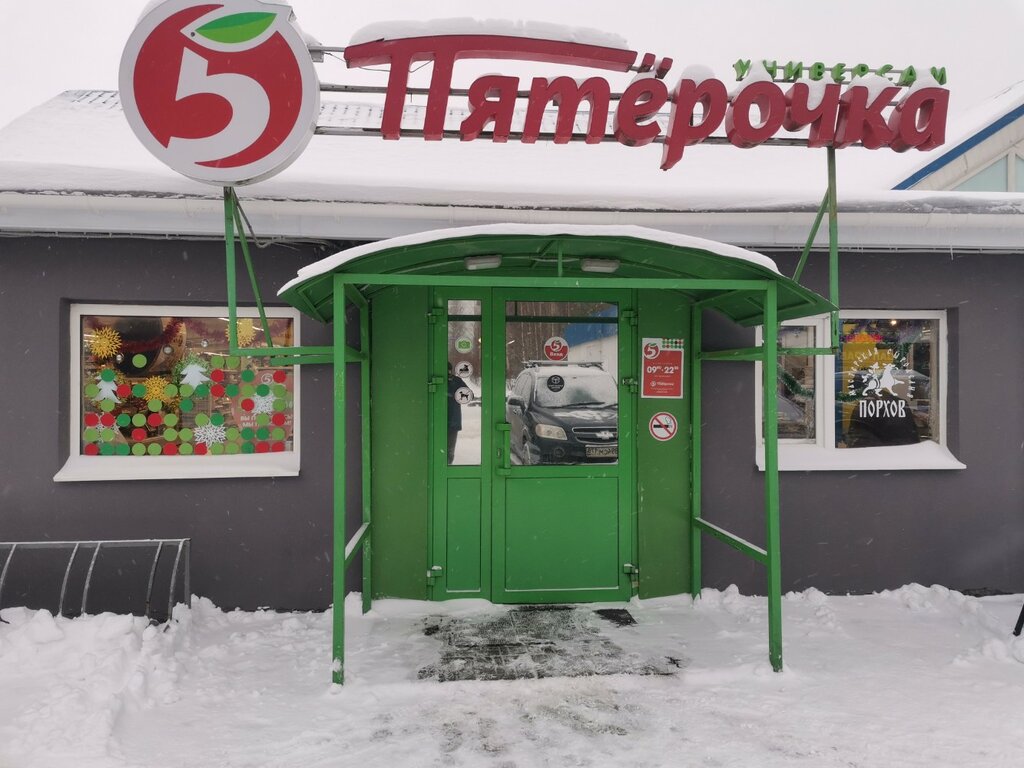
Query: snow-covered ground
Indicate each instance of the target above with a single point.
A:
(914, 677)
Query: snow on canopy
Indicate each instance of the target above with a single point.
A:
(393, 30)
(341, 258)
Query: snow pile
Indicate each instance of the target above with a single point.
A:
(919, 676)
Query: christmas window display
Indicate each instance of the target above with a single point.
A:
(166, 385)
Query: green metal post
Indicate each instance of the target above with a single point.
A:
(229, 252)
(833, 246)
(696, 343)
(364, 370)
(338, 664)
(252, 273)
(810, 238)
(769, 386)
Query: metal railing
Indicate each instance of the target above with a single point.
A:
(182, 562)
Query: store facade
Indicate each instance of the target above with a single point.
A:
(897, 464)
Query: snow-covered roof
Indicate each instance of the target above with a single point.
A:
(333, 262)
(73, 165)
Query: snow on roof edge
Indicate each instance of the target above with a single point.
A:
(393, 30)
(329, 264)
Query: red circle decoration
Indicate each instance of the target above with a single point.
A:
(170, 449)
(200, 449)
(217, 390)
(91, 449)
(138, 434)
(91, 419)
(277, 447)
(107, 419)
(217, 374)
(124, 390)
(278, 419)
(280, 377)
(247, 404)
(155, 419)
(262, 447)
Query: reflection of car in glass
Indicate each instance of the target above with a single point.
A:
(563, 414)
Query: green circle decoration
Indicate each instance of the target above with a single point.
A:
(123, 449)
(262, 433)
(217, 419)
(280, 404)
(217, 449)
(279, 390)
(232, 448)
(170, 434)
(107, 374)
(155, 405)
(123, 419)
(185, 449)
(231, 390)
(216, 361)
(262, 419)
(232, 433)
(107, 435)
(185, 435)
(139, 449)
(248, 374)
(154, 449)
(107, 405)
(262, 390)
(139, 361)
(248, 390)
(91, 390)
(186, 390)
(170, 419)
(247, 433)
(232, 362)
(170, 390)
(139, 420)
(202, 419)
(203, 390)
(248, 448)
(107, 449)
(278, 433)
(186, 405)
(139, 390)
(91, 435)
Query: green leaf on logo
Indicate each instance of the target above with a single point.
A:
(237, 27)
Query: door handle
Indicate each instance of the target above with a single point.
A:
(504, 467)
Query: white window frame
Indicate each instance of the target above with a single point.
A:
(81, 468)
(821, 454)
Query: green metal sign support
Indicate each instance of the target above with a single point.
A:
(338, 506)
(769, 369)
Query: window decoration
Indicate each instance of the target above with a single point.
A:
(148, 384)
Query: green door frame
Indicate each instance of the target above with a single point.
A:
(495, 470)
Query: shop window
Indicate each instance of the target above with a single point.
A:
(879, 404)
(155, 394)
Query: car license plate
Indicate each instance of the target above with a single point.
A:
(602, 451)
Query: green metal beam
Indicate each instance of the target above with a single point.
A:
(808, 351)
(696, 331)
(810, 238)
(611, 283)
(229, 252)
(734, 541)
(367, 499)
(354, 544)
(833, 245)
(236, 210)
(743, 353)
(303, 360)
(769, 384)
(338, 560)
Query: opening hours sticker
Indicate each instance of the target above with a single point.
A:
(663, 426)
(662, 368)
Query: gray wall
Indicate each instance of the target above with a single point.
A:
(267, 542)
(864, 531)
(256, 541)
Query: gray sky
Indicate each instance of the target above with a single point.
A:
(48, 46)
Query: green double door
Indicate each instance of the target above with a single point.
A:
(533, 445)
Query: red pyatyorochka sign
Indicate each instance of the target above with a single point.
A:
(662, 368)
(225, 92)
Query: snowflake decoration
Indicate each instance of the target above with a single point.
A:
(246, 332)
(155, 386)
(210, 434)
(105, 342)
(263, 403)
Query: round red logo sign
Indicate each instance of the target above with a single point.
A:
(556, 348)
(222, 92)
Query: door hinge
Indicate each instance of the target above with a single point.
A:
(433, 573)
(634, 574)
(630, 381)
(629, 315)
(436, 381)
(434, 315)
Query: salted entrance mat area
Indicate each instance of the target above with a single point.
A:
(537, 642)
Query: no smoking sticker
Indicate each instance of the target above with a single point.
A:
(663, 426)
